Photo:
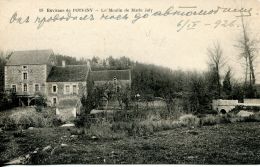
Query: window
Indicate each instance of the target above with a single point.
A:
(67, 89)
(74, 89)
(25, 75)
(37, 87)
(54, 88)
(14, 88)
(25, 87)
(54, 100)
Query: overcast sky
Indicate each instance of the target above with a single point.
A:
(152, 40)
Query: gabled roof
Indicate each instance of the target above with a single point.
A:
(29, 57)
(69, 73)
(107, 75)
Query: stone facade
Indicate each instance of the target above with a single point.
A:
(29, 73)
(26, 78)
(64, 90)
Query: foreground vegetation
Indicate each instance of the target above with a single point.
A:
(236, 143)
(150, 135)
(24, 117)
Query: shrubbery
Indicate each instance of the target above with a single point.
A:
(29, 118)
(253, 118)
(154, 123)
(210, 120)
(189, 120)
(102, 130)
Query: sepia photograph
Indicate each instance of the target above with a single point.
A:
(129, 82)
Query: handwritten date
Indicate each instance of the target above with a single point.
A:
(191, 24)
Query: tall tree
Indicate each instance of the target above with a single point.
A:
(249, 50)
(216, 62)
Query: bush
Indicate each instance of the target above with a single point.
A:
(253, 118)
(29, 117)
(40, 102)
(229, 118)
(132, 128)
(210, 120)
(224, 118)
(8, 123)
(189, 120)
(145, 127)
(56, 121)
(102, 131)
(247, 108)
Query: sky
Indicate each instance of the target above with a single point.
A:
(155, 39)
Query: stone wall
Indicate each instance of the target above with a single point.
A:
(66, 114)
(36, 74)
(81, 89)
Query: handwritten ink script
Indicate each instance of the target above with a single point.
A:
(135, 15)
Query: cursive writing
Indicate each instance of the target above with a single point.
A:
(60, 17)
(133, 17)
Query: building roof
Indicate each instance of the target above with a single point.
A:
(107, 75)
(69, 73)
(29, 57)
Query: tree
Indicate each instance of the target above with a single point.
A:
(199, 96)
(227, 87)
(216, 62)
(237, 91)
(40, 102)
(69, 60)
(3, 58)
(95, 59)
(249, 50)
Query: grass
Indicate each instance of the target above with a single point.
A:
(236, 143)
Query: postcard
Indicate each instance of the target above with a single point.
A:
(129, 82)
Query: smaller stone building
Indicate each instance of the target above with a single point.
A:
(67, 81)
(121, 78)
(114, 82)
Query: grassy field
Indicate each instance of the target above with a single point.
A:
(233, 143)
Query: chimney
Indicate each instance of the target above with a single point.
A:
(63, 63)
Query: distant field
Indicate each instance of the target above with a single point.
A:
(237, 143)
